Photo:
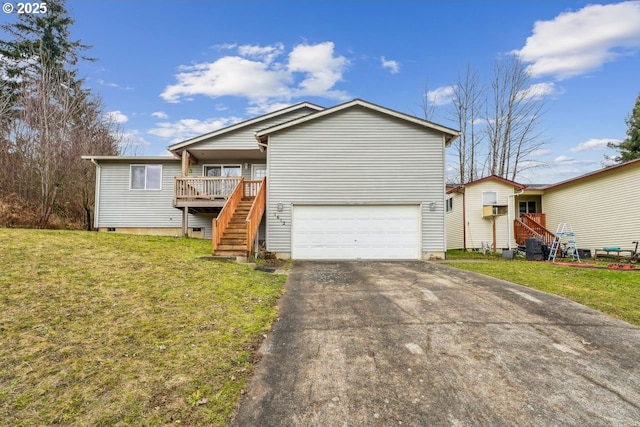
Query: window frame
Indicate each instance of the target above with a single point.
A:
(527, 206)
(495, 200)
(449, 205)
(222, 167)
(146, 168)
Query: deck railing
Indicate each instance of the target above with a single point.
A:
(522, 232)
(528, 226)
(257, 209)
(251, 188)
(540, 218)
(220, 224)
(203, 187)
(532, 221)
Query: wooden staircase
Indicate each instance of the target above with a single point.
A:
(532, 225)
(233, 241)
(235, 229)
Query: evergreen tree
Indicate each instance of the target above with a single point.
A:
(48, 119)
(39, 41)
(629, 148)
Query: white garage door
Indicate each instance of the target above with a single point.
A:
(356, 232)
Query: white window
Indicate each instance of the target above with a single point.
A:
(222, 170)
(449, 206)
(146, 177)
(489, 198)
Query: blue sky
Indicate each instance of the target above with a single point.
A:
(171, 70)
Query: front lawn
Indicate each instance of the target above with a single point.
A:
(616, 293)
(110, 329)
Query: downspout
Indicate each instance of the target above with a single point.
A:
(509, 214)
(96, 203)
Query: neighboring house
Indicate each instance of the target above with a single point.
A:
(601, 207)
(355, 181)
(480, 213)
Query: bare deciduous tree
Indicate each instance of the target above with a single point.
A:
(498, 122)
(53, 124)
(512, 119)
(468, 104)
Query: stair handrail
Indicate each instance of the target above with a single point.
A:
(255, 213)
(530, 232)
(221, 222)
(546, 235)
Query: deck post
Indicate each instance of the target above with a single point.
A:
(185, 163)
(185, 221)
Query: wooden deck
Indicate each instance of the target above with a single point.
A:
(203, 191)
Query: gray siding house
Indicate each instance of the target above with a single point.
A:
(355, 181)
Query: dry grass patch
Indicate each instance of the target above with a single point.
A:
(106, 329)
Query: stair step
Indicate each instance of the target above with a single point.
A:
(231, 248)
(233, 239)
(236, 237)
(229, 253)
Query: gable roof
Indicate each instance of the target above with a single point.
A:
(486, 178)
(243, 124)
(630, 163)
(450, 134)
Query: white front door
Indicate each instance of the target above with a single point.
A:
(258, 172)
(356, 232)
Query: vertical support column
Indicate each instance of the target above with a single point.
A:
(493, 221)
(185, 163)
(185, 222)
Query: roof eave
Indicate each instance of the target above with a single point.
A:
(451, 134)
(242, 124)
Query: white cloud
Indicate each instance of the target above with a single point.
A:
(541, 152)
(263, 75)
(111, 84)
(578, 42)
(321, 68)
(539, 91)
(266, 107)
(117, 117)
(593, 144)
(441, 96)
(189, 128)
(393, 66)
(566, 160)
(224, 46)
(160, 115)
(264, 53)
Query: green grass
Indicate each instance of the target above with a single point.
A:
(109, 329)
(616, 293)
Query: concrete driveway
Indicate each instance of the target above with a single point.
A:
(422, 344)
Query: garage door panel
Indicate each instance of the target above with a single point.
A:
(356, 232)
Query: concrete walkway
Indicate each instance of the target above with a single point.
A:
(421, 344)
